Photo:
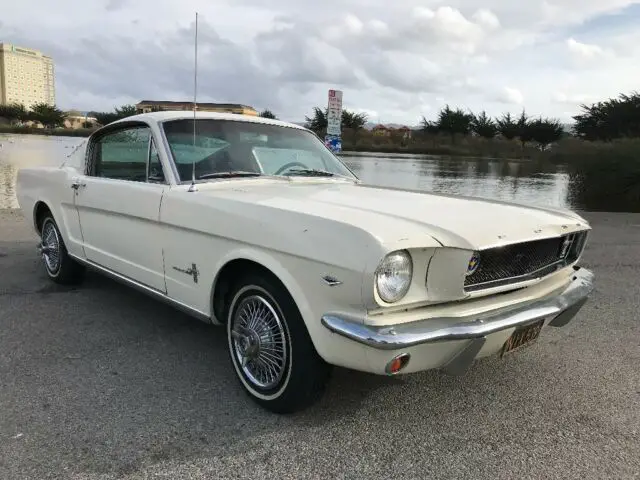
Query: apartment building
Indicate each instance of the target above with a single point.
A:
(26, 76)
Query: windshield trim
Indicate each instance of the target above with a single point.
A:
(179, 181)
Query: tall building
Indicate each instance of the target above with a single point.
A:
(26, 76)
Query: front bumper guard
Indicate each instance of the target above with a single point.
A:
(560, 306)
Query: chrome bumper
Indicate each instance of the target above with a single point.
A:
(561, 307)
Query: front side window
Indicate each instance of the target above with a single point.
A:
(122, 155)
(223, 147)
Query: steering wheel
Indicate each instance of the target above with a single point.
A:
(289, 165)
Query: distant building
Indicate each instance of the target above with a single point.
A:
(75, 119)
(26, 76)
(388, 130)
(146, 106)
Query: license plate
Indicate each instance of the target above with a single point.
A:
(522, 337)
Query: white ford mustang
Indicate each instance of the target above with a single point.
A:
(253, 224)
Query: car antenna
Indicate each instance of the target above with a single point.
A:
(192, 187)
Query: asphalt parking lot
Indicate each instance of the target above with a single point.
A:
(102, 382)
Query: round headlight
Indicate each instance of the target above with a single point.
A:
(393, 276)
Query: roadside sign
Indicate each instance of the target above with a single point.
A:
(334, 113)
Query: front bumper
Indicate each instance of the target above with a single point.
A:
(560, 307)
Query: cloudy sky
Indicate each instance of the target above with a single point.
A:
(394, 59)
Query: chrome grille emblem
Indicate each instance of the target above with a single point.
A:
(474, 263)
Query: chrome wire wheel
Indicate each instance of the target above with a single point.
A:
(50, 247)
(258, 340)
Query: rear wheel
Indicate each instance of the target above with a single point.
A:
(270, 347)
(60, 267)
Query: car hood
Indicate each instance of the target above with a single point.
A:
(396, 215)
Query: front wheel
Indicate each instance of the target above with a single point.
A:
(270, 347)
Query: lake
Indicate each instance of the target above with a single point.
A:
(520, 181)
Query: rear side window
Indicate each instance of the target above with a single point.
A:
(122, 155)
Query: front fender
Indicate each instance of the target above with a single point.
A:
(303, 279)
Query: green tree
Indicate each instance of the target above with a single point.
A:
(268, 114)
(454, 121)
(14, 112)
(351, 120)
(545, 131)
(354, 121)
(483, 126)
(523, 128)
(507, 126)
(104, 118)
(611, 119)
(317, 122)
(429, 126)
(125, 111)
(48, 115)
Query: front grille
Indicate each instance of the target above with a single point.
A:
(524, 261)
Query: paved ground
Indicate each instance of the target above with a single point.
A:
(102, 382)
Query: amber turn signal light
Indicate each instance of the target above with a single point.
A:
(397, 363)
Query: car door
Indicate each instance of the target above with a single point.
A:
(118, 202)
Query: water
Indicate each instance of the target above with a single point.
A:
(520, 181)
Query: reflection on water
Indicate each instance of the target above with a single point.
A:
(522, 182)
(19, 151)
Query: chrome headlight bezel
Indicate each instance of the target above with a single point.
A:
(396, 261)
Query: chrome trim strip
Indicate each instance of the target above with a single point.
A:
(562, 306)
(144, 289)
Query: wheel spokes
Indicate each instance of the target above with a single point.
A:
(258, 340)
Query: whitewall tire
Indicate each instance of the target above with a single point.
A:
(270, 348)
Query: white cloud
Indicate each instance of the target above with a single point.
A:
(486, 18)
(353, 24)
(399, 60)
(573, 98)
(512, 95)
(584, 50)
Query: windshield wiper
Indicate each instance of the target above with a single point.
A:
(311, 172)
(231, 174)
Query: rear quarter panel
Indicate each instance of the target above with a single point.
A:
(52, 186)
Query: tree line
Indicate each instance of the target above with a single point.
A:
(602, 121)
(49, 115)
(542, 131)
(611, 119)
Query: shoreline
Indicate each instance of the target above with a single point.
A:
(397, 151)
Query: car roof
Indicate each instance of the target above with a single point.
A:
(187, 115)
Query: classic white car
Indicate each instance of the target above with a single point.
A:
(254, 224)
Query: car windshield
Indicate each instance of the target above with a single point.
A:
(227, 148)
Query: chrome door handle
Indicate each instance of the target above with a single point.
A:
(76, 183)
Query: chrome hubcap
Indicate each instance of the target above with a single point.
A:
(258, 340)
(50, 247)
